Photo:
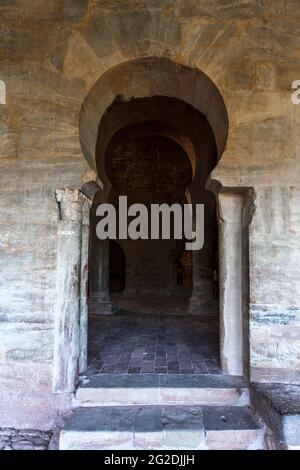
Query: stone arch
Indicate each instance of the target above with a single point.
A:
(157, 80)
(161, 116)
(148, 77)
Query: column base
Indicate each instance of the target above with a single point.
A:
(100, 307)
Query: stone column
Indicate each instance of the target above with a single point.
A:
(100, 303)
(67, 309)
(202, 301)
(230, 217)
(84, 278)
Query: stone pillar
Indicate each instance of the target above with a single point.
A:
(100, 303)
(84, 278)
(202, 301)
(67, 309)
(230, 218)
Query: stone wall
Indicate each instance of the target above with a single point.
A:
(51, 53)
(30, 439)
(275, 285)
(150, 169)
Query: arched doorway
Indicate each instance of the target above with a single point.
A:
(172, 94)
(128, 127)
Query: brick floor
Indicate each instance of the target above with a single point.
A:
(134, 343)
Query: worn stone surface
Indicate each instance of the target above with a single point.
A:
(27, 387)
(67, 308)
(155, 389)
(279, 405)
(230, 246)
(84, 282)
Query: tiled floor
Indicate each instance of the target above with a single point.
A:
(129, 342)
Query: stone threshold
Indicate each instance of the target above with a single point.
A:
(163, 389)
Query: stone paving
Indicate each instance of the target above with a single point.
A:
(135, 343)
(27, 439)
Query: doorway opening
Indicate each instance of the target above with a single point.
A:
(163, 301)
(157, 99)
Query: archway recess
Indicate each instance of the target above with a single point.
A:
(136, 93)
(152, 77)
(148, 77)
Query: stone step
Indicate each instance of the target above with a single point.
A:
(163, 389)
(279, 406)
(161, 427)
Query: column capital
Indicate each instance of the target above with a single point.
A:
(71, 202)
(230, 206)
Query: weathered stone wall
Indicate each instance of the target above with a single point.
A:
(27, 290)
(51, 53)
(275, 285)
(10, 439)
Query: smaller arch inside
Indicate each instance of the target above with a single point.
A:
(147, 77)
